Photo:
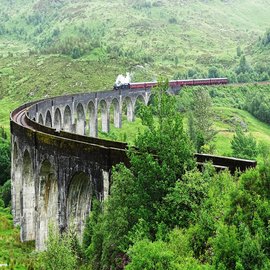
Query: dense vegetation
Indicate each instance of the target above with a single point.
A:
(164, 214)
(5, 185)
(160, 216)
(12, 251)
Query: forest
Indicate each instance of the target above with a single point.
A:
(165, 214)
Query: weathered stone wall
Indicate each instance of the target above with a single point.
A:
(54, 182)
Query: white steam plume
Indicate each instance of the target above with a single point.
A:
(121, 79)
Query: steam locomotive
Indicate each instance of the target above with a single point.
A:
(172, 84)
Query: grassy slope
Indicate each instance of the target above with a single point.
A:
(203, 32)
(12, 251)
(226, 126)
(6, 106)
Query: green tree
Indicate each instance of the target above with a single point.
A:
(227, 248)
(163, 154)
(266, 38)
(244, 146)
(238, 51)
(243, 77)
(182, 204)
(4, 161)
(5, 193)
(151, 256)
(243, 66)
(175, 253)
(242, 239)
(176, 60)
(200, 120)
(76, 53)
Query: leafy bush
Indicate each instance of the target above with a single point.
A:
(257, 103)
(244, 146)
(182, 204)
(4, 158)
(59, 254)
(5, 193)
(140, 4)
(173, 20)
(151, 256)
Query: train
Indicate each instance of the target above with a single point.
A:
(172, 84)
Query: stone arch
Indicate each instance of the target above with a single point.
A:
(57, 120)
(92, 111)
(128, 107)
(16, 185)
(80, 124)
(79, 201)
(151, 99)
(40, 119)
(27, 199)
(48, 119)
(105, 116)
(47, 202)
(115, 110)
(67, 119)
(147, 97)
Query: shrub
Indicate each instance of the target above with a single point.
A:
(244, 146)
(59, 254)
(147, 255)
(5, 193)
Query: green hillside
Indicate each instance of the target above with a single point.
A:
(180, 35)
(12, 251)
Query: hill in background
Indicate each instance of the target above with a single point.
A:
(176, 38)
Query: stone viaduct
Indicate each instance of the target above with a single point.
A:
(59, 164)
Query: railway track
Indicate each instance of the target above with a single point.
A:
(19, 118)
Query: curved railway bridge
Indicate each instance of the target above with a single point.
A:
(59, 164)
